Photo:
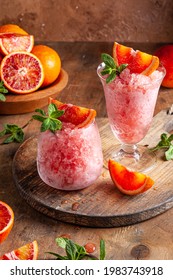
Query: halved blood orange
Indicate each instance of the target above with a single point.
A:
(6, 220)
(129, 182)
(21, 72)
(26, 252)
(12, 42)
(79, 116)
(138, 62)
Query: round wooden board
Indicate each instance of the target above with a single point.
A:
(18, 104)
(101, 204)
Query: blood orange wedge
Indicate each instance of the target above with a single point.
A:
(6, 220)
(138, 62)
(12, 42)
(26, 252)
(21, 72)
(128, 182)
(79, 116)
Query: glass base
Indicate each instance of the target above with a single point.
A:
(136, 158)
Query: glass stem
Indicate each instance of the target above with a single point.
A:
(130, 150)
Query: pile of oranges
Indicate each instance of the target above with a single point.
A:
(26, 67)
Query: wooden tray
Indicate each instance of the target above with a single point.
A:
(18, 104)
(101, 204)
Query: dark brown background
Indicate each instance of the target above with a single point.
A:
(101, 20)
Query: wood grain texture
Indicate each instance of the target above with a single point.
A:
(153, 236)
(101, 204)
(18, 104)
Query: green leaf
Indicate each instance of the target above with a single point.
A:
(45, 125)
(111, 77)
(71, 250)
(9, 139)
(3, 132)
(52, 108)
(38, 118)
(42, 112)
(108, 60)
(2, 97)
(56, 114)
(59, 257)
(169, 153)
(102, 250)
(61, 242)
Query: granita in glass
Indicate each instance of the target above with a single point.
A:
(130, 103)
(70, 158)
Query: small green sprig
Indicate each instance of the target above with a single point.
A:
(14, 132)
(111, 69)
(75, 251)
(49, 122)
(3, 90)
(166, 144)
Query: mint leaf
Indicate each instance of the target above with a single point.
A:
(111, 69)
(3, 90)
(169, 153)
(102, 250)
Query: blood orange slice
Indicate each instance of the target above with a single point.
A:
(138, 62)
(12, 42)
(21, 72)
(6, 220)
(26, 252)
(79, 116)
(129, 182)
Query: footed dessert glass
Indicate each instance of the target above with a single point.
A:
(71, 158)
(130, 104)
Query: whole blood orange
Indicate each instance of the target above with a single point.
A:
(79, 116)
(165, 54)
(138, 62)
(128, 182)
(51, 62)
(6, 220)
(26, 252)
(12, 42)
(12, 28)
(21, 72)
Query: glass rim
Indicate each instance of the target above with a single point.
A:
(161, 69)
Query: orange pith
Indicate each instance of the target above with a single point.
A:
(21, 72)
(12, 28)
(11, 42)
(79, 116)
(129, 182)
(51, 62)
(138, 62)
(6, 220)
(26, 252)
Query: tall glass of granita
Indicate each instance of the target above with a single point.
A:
(70, 158)
(130, 103)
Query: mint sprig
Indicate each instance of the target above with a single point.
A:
(165, 144)
(75, 251)
(111, 69)
(49, 121)
(3, 91)
(14, 132)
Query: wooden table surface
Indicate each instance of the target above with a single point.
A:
(151, 239)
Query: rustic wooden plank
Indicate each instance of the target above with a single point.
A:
(101, 204)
